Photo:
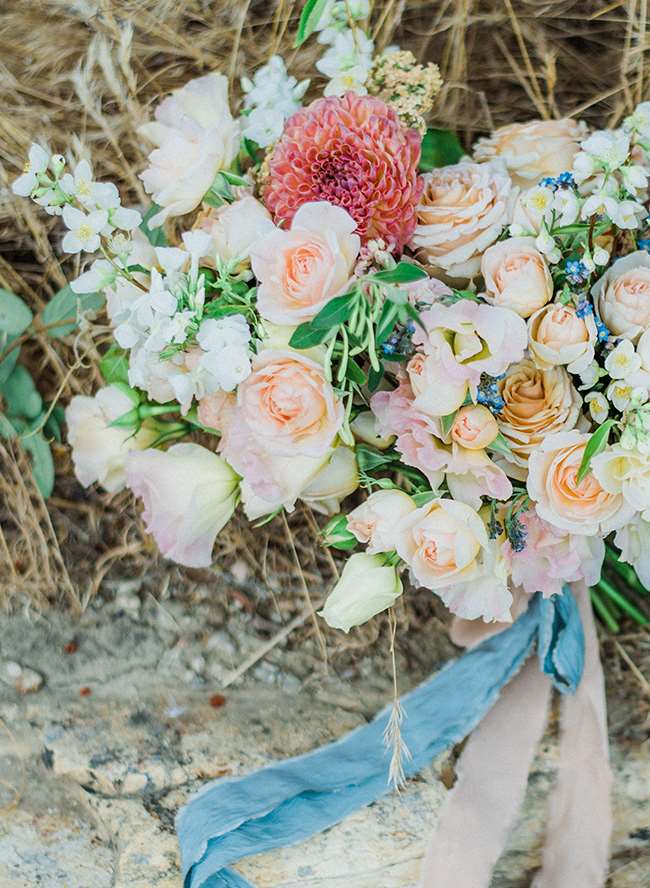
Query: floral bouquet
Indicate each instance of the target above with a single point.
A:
(446, 354)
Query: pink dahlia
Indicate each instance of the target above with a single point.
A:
(353, 152)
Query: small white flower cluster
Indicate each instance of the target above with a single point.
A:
(349, 59)
(628, 369)
(91, 210)
(615, 185)
(272, 96)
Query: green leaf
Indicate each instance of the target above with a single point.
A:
(354, 372)
(375, 377)
(403, 273)
(595, 445)
(386, 322)
(336, 312)
(54, 423)
(306, 336)
(446, 422)
(369, 459)
(155, 236)
(15, 316)
(421, 499)
(67, 306)
(114, 366)
(7, 431)
(7, 366)
(309, 19)
(501, 445)
(42, 462)
(235, 178)
(439, 148)
(20, 394)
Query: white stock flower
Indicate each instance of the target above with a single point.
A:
(598, 406)
(84, 229)
(639, 120)
(367, 587)
(37, 161)
(609, 148)
(270, 98)
(347, 63)
(622, 361)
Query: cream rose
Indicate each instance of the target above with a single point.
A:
(474, 427)
(196, 136)
(99, 450)
(537, 403)
(300, 270)
(446, 546)
(235, 228)
(375, 520)
(622, 295)
(625, 472)
(516, 276)
(283, 428)
(531, 151)
(558, 336)
(584, 508)
(463, 210)
(189, 494)
(367, 587)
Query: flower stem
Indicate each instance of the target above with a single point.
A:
(603, 612)
(622, 602)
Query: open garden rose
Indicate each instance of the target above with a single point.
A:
(375, 520)
(558, 336)
(99, 449)
(516, 276)
(189, 494)
(583, 507)
(367, 587)
(463, 209)
(537, 403)
(446, 546)
(622, 295)
(533, 150)
(300, 270)
(196, 136)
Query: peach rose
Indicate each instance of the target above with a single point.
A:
(474, 427)
(516, 276)
(533, 150)
(283, 427)
(300, 270)
(446, 546)
(622, 295)
(558, 336)
(215, 411)
(537, 403)
(375, 520)
(583, 507)
(235, 228)
(463, 209)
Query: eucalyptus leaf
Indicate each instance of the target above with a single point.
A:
(42, 462)
(336, 312)
(7, 430)
(62, 312)
(596, 444)
(7, 366)
(15, 316)
(403, 273)
(114, 365)
(309, 19)
(439, 148)
(21, 395)
(307, 336)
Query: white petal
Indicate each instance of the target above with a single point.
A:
(24, 184)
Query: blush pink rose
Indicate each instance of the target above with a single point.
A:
(474, 427)
(558, 336)
(300, 270)
(585, 507)
(622, 295)
(283, 428)
(189, 494)
(516, 276)
(375, 520)
(215, 411)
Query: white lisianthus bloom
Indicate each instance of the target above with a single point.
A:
(634, 542)
(99, 450)
(37, 161)
(347, 63)
(338, 478)
(622, 361)
(84, 229)
(367, 587)
(598, 406)
(189, 494)
(196, 136)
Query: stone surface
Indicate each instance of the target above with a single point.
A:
(131, 720)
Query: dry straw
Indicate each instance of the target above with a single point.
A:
(82, 74)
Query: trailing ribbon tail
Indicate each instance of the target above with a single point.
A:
(288, 801)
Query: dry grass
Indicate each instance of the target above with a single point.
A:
(84, 73)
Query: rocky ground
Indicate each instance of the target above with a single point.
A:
(108, 724)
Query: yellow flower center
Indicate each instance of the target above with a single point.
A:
(84, 232)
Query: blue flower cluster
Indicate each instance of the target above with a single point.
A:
(399, 342)
(643, 243)
(584, 308)
(576, 271)
(488, 393)
(517, 533)
(602, 330)
(564, 180)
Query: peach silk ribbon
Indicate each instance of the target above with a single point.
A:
(478, 813)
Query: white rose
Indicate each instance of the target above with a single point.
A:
(196, 136)
(516, 276)
(374, 522)
(99, 451)
(367, 587)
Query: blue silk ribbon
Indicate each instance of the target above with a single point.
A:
(288, 801)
